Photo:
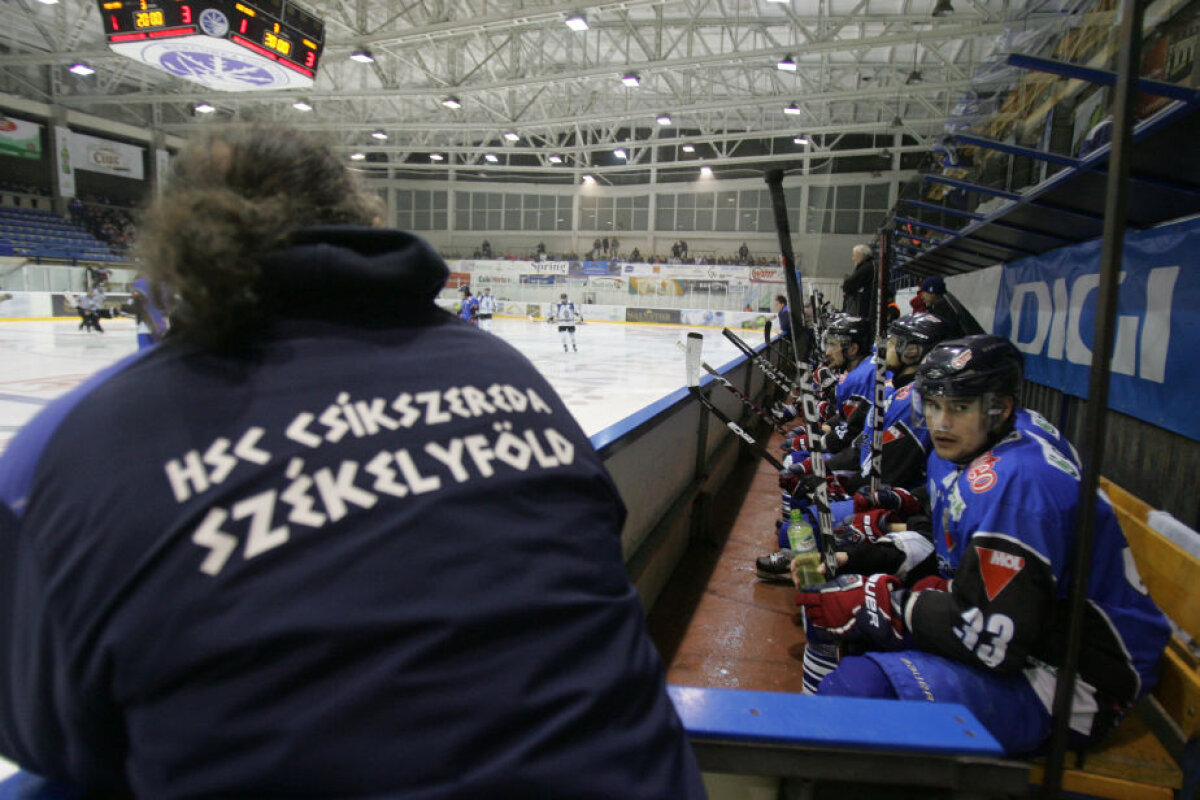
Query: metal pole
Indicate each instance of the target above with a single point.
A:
(1091, 438)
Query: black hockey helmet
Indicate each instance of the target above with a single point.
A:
(562, 296)
(922, 329)
(850, 330)
(971, 366)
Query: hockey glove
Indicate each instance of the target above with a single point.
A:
(797, 440)
(825, 377)
(833, 488)
(901, 500)
(868, 526)
(860, 609)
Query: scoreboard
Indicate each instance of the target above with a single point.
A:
(229, 45)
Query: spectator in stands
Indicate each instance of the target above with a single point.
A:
(743, 254)
(858, 289)
(613, 244)
(945, 305)
(274, 618)
(636, 256)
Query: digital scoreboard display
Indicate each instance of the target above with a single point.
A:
(223, 44)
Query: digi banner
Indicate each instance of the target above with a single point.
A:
(1047, 306)
(20, 138)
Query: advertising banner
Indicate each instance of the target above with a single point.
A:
(546, 267)
(767, 274)
(606, 283)
(1047, 306)
(666, 316)
(63, 165)
(656, 286)
(20, 138)
(101, 155)
(596, 267)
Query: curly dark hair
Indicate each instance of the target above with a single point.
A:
(232, 196)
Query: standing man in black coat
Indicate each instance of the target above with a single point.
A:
(858, 289)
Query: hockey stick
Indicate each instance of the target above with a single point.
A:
(820, 658)
(746, 401)
(695, 342)
(774, 373)
(876, 469)
(803, 345)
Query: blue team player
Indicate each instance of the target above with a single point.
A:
(325, 540)
(469, 309)
(1003, 507)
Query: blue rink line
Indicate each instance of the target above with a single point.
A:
(21, 398)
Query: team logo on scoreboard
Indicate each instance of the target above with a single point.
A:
(213, 22)
(215, 63)
(214, 68)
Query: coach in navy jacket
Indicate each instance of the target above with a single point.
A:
(326, 540)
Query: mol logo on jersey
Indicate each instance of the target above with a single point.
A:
(998, 568)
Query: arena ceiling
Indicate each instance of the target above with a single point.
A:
(872, 78)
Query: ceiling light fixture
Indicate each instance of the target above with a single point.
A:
(793, 109)
(436, 157)
(620, 153)
(689, 148)
(512, 136)
(786, 64)
(631, 79)
(80, 68)
(941, 8)
(803, 141)
(664, 119)
(577, 22)
(362, 55)
(897, 122)
(587, 178)
(491, 158)
(204, 108)
(380, 135)
(706, 172)
(302, 105)
(357, 156)
(913, 77)
(452, 102)
(555, 158)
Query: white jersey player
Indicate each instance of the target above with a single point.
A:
(566, 315)
(487, 307)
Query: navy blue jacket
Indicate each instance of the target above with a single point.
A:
(372, 557)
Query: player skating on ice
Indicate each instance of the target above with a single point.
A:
(487, 307)
(988, 629)
(566, 315)
(469, 309)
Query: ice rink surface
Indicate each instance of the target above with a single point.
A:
(619, 369)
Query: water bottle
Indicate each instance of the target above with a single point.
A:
(806, 558)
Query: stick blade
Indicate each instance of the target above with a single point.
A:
(695, 342)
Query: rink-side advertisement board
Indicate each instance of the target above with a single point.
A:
(1047, 306)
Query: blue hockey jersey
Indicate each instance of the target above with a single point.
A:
(1004, 529)
(373, 557)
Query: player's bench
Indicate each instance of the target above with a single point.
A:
(931, 746)
(1155, 752)
(1153, 755)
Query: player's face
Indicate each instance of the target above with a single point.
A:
(958, 426)
(893, 354)
(835, 352)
